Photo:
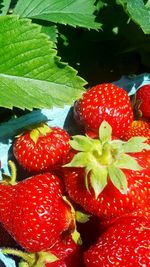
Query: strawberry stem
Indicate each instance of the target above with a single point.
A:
(38, 259)
(13, 172)
(75, 234)
(106, 157)
(29, 258)
(23, 264)
(41, 130)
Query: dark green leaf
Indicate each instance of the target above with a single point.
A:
(74, 13)
(138, 12)
(51, 31)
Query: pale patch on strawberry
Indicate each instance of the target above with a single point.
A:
(42, 148)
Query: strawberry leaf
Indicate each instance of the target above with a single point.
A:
(82, 217)
(79, 160)
(98, 179)
(104, 157)
(82, 143)
(51, 31)
(135, 144)
(74, 13)
(87, 171)
(31, 75)
(147, 4)
(45, 258)
(118, 178)
(75, 234)
(138, 12)
(105, 132)
(4, 7)
(127, 162)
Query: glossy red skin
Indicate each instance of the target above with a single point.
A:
(68, 253)
(46, 154)
(33, 211)
(104, 102)
(126, 243)
(143, 95)
(138, 128)
(111, 203)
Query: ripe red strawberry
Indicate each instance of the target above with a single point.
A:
(68, 254)
(138, 128)
(42, 148)
(34, 212)
(104, 102)
(63, 253)
(141, 213)
(143, 100)
(108, 178)
(125, 243)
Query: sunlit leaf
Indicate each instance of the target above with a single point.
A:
(31, 75)
(74, 13)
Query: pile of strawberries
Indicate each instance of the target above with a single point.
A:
(84, 201)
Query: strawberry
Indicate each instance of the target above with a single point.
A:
(142, 98)
(141, 213)
(138, 128)
(108, 178)
(124, 243)
(42, 148)
(104, 102)
(63, 253)
(68, 254)
(34, 212)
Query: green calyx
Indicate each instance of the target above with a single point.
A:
(42, 130)
(82, 217)
(105, 157)
(10, 180)
(38, 259)
(74, 233)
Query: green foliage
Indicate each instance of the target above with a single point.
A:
(4, 7)
(30, 70)
(100, 40)
(138, 12)
(75, 13)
